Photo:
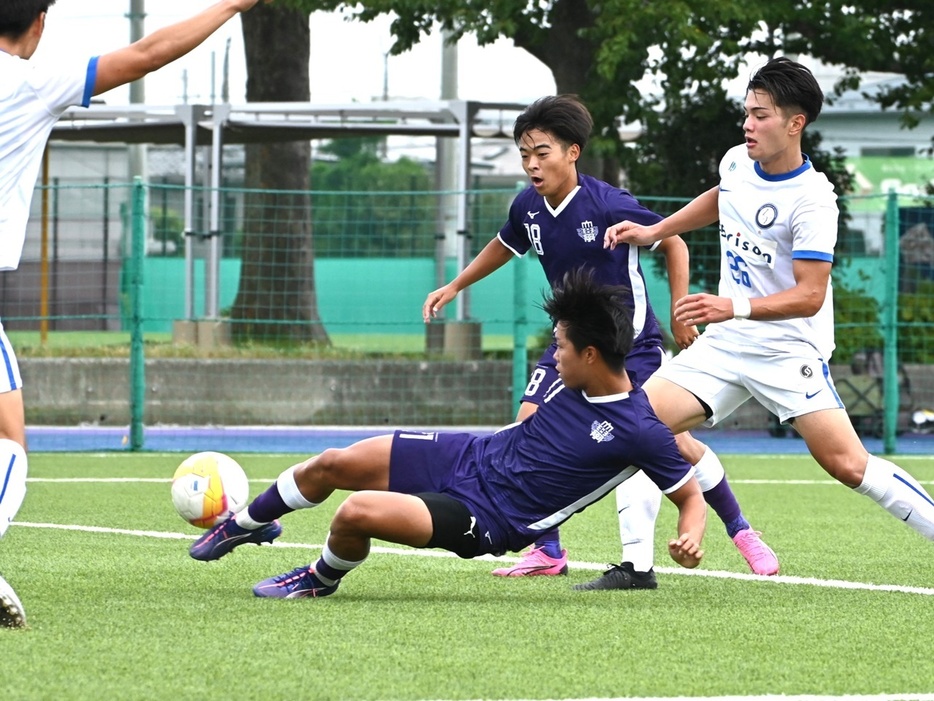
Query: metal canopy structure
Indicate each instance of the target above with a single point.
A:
(194, 126)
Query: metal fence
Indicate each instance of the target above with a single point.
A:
(305, 308)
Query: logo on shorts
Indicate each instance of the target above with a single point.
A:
(806, 371)
(473, 524)
(602, 432)
(588, 231)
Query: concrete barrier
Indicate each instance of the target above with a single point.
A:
(196, 391)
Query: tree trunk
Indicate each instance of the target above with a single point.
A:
(571, 57)
(277, 299)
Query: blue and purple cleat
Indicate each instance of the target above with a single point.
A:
(227, 535)
(298, 583)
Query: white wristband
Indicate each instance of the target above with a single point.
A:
(742, 308)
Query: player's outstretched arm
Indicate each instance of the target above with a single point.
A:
(164, 45)
(493, 257)
(677, 261)
(692, 521)
(699, 212)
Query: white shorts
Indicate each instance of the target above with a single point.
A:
(791, 381)
(9, 369)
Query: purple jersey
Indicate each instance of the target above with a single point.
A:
(532, 476)
(572, 236)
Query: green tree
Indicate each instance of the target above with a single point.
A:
(600, 50)
(367, 207)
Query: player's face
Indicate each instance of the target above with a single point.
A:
(571, 364)
(550, 165)
(772, 136)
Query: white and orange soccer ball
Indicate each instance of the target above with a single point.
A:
(207, 487)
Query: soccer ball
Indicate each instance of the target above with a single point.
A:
(208, 487)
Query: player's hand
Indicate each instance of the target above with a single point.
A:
(436, 300)
(683, 334)
(685, 551)
(631, 233)
(702, 308)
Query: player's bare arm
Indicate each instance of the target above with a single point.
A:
(164, 45)
(692, 519)
(493, 257)
(801, 301)
(677, 261)
(700, 212)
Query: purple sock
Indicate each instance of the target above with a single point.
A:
(268, 506)
(550, 542)
(325, 570)
(723, 502)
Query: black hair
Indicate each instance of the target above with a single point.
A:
(593, 315)
(17, 16)
(790, 85)
(563, 116)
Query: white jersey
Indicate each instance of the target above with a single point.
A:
(33, 95)
(767, 222)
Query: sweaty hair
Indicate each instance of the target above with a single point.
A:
(593, 315)
(16, 16)
(790, 85)
(563, 116)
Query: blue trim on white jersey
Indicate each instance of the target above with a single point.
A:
(812, 255)
(89, 82)
(783, 176)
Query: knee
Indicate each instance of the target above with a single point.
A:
(352, 516)
(321, 469)
(847, 469)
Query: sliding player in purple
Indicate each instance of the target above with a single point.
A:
(476, 495)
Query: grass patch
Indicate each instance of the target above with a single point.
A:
(125, 614)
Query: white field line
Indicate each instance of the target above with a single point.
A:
(768, 697)
(406, 552)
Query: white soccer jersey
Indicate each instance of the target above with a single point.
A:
(33, 95)
(767, 222)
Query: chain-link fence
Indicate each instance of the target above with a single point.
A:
(304, 308)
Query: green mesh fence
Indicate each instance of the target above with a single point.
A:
(304, 308)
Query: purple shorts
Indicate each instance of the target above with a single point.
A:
(641, 362)
(443, 463)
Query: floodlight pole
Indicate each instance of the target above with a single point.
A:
(137, 152)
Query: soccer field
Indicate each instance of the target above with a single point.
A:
(117, 609)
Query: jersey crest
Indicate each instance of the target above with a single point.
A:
(588, 231)
(602, 431)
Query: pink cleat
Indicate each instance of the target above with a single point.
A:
(760, 556)
(535, 562)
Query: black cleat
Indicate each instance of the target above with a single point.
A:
(622, 576)
(12, 614)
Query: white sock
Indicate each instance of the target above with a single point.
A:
(337, 565)
(898, 493)
(638, 501)
(242, 519)
(709, 470)
(289, 492)
(13, 466)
